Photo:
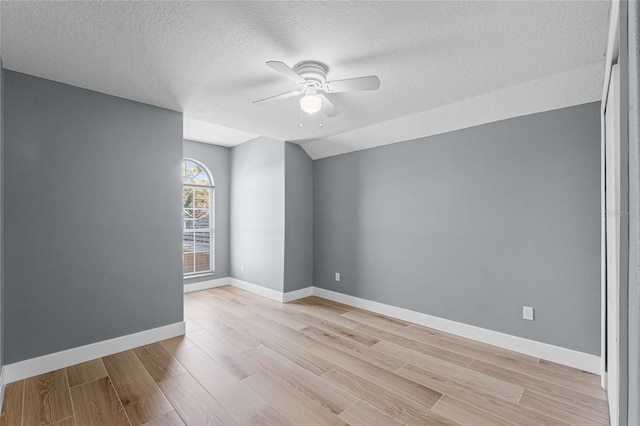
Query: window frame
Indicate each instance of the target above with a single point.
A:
(210, 229)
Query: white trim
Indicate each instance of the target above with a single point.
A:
(257, 289)
(45, 363)
(276, 295)
(612, 50)
(290, 296)
(580, 360)
(203, 285)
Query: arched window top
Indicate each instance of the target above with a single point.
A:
(194, 173)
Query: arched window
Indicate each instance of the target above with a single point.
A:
(197, 219)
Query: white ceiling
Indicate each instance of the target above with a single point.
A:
(207, 59)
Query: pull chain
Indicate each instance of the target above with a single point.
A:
(300, 117)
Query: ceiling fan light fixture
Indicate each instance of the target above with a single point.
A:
(310, 102)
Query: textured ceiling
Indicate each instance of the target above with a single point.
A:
(207, 58)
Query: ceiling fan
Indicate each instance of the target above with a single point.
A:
(311, 76)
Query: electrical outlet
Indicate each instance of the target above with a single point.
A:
(527, 313)
(242, 267)
(337, 276)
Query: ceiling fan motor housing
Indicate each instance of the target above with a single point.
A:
(314, 72)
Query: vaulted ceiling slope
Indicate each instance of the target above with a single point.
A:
(207, 59)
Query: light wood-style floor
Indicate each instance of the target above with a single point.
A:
(251, 361)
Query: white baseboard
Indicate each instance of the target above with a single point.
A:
(270, 293)
(257, 289)
(46, 363)
(290, 296)
(203, 285)
(569, 357)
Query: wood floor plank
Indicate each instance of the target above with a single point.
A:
(140, 395)
(97, 403)
(203, 337)
(377, 320)
(160, 364)
(557, 378)
(169, 419)
(266, 417)
(569, 371)
(461, 376)
(213, 377)
(216, 319)
(233, 361)
(225, 307)
(69, 421)
(229, 319)
(399, 385)
(561, 410)
(295, 406)
(235, 397)
(315, 388)
(402, 410)
(177, 344)
(46, 399)
(430, 349)
(465, 414)
(278, 315)
(241, 402)
(12, 405)
(362, 414)
(344, 332)
(327, 315)
(487, 353)
(191, 325)
(228, 334)
(359, 351)
(320, 307)
(193, 403)
(86, 372)
(305, 359)
(596, 405)
(479, 398)
(281, 331)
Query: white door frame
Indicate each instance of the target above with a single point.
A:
(613, 219)
(616, 54)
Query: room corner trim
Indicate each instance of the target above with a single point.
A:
(204, 285)
(290, 296)
(278, 296)
(564, 356)
(257, 289)
(45, 363)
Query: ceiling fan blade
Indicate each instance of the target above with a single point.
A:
(370, 82)
(328, 107)
(286, 70)
(281, 96)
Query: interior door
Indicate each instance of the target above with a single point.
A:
(613, 217)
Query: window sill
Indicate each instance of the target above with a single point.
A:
(204, 274)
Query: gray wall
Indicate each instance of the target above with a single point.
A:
(634, 217)
(298, 235)
(217, 160)
(257, 212)
(92, 216)
(472, 225)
